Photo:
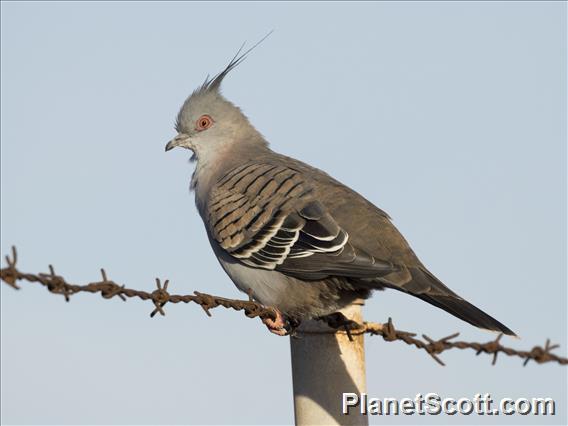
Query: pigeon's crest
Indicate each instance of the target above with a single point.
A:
(211, 87)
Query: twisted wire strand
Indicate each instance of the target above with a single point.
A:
(161, 296)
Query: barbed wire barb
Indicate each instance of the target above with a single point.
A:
(161, 296)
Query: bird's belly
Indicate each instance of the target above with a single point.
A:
(267, 287)
(292, 296)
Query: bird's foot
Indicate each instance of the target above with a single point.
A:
(291, 325)
(339, 321)
(277, 326)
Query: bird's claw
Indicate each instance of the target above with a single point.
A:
(278, 325)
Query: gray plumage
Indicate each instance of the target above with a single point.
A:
(288, 233)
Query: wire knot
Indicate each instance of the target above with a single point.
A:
(10, 273)
(160, 297)
(206, 301)
(389, 332)
(56, 284)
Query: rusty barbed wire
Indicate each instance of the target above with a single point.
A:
(109, 289)
(433, 347)
(160, 297)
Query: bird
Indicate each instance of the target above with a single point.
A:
(288, 234)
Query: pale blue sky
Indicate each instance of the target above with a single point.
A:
(450, 116)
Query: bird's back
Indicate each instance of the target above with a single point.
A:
(369, 227)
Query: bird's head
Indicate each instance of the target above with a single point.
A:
(208, 124)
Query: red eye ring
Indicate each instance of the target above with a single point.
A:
(203, 123)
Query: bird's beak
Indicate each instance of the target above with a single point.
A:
(180, 140)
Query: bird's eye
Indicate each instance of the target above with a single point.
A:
(203, 123)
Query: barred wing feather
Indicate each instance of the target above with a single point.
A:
(267, 216)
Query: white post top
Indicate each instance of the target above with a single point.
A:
(324, 366)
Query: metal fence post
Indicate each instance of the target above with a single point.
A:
(324, 366)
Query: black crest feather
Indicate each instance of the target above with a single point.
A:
(215, 82)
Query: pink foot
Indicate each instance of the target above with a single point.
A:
(277, 326)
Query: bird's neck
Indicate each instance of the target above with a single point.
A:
(213, 166)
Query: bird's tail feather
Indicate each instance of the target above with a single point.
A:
(466, 312)
(424, 285)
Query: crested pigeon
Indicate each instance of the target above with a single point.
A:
(288, 234)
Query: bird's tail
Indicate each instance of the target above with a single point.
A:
(466, 312)
(427, 287)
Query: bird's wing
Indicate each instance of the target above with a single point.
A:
(289, 217)
(266, 216)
